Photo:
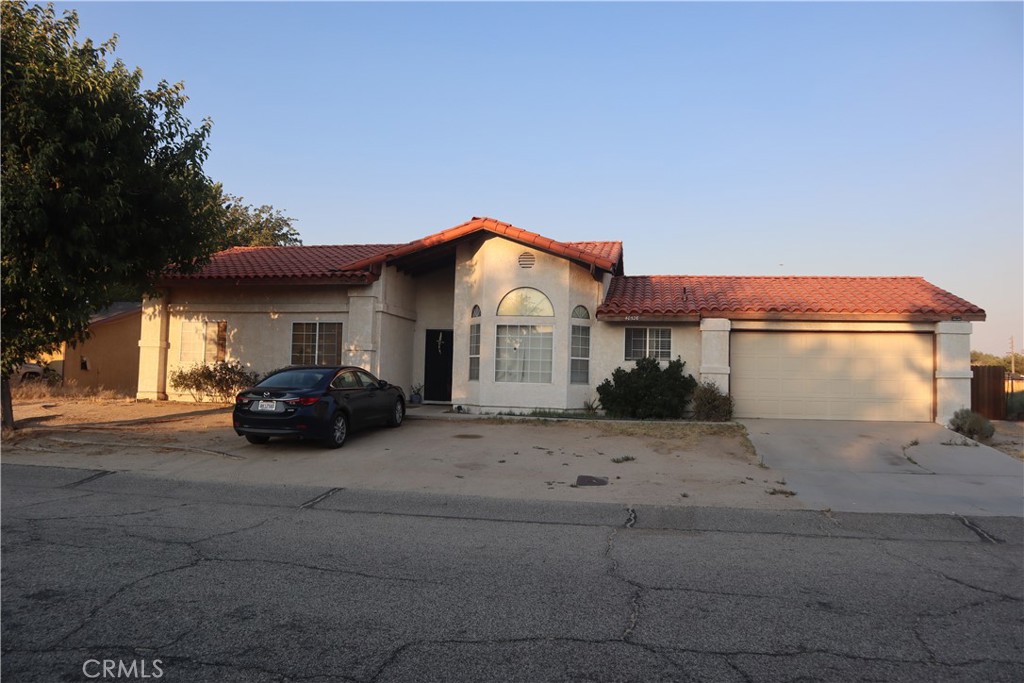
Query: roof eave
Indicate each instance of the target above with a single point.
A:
(361, 278)
(783, 316)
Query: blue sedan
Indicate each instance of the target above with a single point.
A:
(317, 402)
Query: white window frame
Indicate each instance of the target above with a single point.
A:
(656, 343)
(319, 349)
(524, 353)
(579, 354)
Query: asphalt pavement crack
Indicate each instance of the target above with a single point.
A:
(322, 497)
(953, 579)
(124, 588)
(114, 515)
(326, 570)
(981, 533)
(92, 477)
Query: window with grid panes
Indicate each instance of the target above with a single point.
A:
(316, 344)
(653, 342)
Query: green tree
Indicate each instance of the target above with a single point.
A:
(1014, 362)
(103, 182)
(245, 225)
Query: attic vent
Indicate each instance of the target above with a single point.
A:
(527, 260)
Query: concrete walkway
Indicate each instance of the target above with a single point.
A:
(919, 468)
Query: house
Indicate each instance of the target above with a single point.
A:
(109, 357)
(495, 318)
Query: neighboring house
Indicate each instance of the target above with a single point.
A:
(494, 318)
(109, 358)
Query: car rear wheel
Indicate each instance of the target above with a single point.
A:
(257, 438)
(339, 432)
(397, 414)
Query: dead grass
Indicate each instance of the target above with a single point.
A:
(671, 437)
(41, 391)
(1009, 438)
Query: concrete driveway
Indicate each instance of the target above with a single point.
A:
(917, 468)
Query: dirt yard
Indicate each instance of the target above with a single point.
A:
(653, 463)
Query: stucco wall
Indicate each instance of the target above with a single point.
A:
(259, 323)
(611, 346)
(397, 328)
(111, 354)
(485, 272)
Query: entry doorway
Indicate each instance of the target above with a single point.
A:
(437, 370)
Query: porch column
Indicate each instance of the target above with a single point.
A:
(714, 351)
(362, 332)
(153, 347)
(952, 369)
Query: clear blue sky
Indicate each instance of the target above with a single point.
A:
(719, 138)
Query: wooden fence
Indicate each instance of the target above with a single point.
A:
(988, 391)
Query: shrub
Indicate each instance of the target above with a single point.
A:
(971, 424)
(647, 391)
(218, 382)
(710, 404)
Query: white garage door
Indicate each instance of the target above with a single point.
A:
(832, 375)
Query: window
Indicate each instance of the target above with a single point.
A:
(655, 342)
(203, 342)
(345, 380)
(523, 353)
(474, 352)
(579, 355)
(526, 301)
(316, 344)
(581, 313)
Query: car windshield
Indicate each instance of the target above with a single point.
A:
(296, 379)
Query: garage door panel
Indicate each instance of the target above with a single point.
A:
(832, 375)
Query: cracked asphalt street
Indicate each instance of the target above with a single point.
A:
(232, 582)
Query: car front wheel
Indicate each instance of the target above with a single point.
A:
(339, 432)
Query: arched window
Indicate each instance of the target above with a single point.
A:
(526, 301)
(476, 312)
(581, 312)
(522, 353)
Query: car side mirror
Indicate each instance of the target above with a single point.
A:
(382, 384)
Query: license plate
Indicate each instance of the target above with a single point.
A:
(266, 405)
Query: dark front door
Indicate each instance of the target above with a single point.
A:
(437, 371)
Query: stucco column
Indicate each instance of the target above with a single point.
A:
(952, 369)
(153, 347)
(714, 351)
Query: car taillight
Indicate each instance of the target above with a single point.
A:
(241, 399)
(306, 401)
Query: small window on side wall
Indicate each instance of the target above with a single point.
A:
(581, 313)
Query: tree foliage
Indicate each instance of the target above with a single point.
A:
(1008, 362)
(647, 391)
(244, 225)
(103, 182)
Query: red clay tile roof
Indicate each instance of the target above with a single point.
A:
(795, 298)
(605, 256)
(286, 264)
(349, 263)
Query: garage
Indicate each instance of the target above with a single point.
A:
(833, 375)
